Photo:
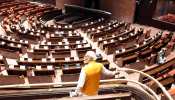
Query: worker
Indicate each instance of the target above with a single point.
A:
(88, 83)
(161, 56)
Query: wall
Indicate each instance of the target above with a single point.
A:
(45, 1)
(121, 9)
(60, 3)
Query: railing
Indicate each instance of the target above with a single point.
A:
(74, 83)
(152, 78)
(104, 81)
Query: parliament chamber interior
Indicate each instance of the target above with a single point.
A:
(43, 44)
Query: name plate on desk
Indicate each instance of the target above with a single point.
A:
(45, 47)
(60, 43)
(8, 38)
(19, 45)
(52, 35)
(13, 39)
(36, 46)
(84, 41)
(79, 46)
(105, 42)
(1, 56)
(77, 66)
(66, 47)
(52, 59)
(112, 40)
(116, 51)
(123, 50)
(132, 34)
(67, 59)
(22, 67)
(49, 67)
(100, 39)
(120, 38)
(87, 45)
(65, 40)
(37, 34)
(29, 60)
(66, 66)
(137, 45)
(66, 43)
(77, 42)
(70, 34)
(11, 67)
(49, 43)
(42, 31)
(38, 67)
(44, 60)
(21, 59)
(21, 41)
(11, 44)
(76, 58)
(31, 33)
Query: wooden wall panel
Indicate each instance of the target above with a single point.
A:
(121, 9)
(60, 3)
(53, 2)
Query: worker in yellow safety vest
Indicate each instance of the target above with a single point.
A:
(88, 83)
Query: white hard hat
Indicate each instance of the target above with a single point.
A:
(91, 54)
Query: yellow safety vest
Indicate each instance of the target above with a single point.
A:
(93, 74)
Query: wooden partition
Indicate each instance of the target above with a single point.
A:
(60, 3)
(145, 15)
(121, 9)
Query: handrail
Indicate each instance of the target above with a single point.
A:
(74, 83)
(143, 86)
(152, 78)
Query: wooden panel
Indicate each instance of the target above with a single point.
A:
(9, 80)
(69, 77)
(60, 3)
(40, 79)
(121, 9)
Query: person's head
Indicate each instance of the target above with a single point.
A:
(17, 53)
(164, 49)
(24, 50)
(89, 56)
